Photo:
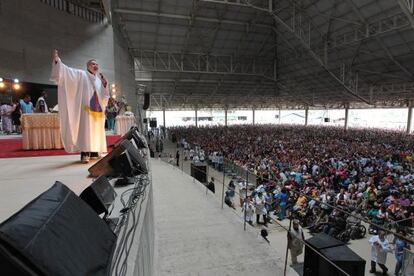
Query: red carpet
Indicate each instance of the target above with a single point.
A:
(13, 148)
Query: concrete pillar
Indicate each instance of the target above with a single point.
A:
(196, 118)
(346, 117)
(279, 116)
(163, 117)
(225, 116)
(306, 116)
(410, 115)
(254, 115)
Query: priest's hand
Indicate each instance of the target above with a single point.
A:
(55, 56)
(103, 80)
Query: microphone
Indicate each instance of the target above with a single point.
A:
(103, 80)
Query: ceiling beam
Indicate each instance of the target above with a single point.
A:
(187, 17)
(381, 44)
(407, 7)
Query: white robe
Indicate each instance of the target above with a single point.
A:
(82, 120)
(379, 253)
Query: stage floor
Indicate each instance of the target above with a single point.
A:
(23, 179)
(193, 235)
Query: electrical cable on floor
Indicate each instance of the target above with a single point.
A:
(121, 256)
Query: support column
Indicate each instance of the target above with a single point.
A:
(410, 115)
(254, 115)
(346, 117)
(163, 118)
(279, 116)
(306, 116)
(225, 116)
(196, 118)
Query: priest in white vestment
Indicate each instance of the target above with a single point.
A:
(82, 99)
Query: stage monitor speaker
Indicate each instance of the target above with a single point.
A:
(333, 250)
(147, 101)
(153, 123)
(56, 234)
(123, 164)
(199, 171)
(326, 119)
(99, 195)
(134, 135)
(343, 257)
(107, 166)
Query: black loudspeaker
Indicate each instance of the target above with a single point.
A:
(336, 252)
(123, 164)
(134, 135)
(145, 121)
(99, 195)
(147, 101)
(153, 123)
(326, 119)
(109, 166)
(56, 234)
(199, 171)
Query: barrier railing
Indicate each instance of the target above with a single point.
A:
(248, 179)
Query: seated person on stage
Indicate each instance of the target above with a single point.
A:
(41, 105)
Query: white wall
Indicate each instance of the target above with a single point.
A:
(31, 29)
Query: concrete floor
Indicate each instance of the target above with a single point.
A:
(194, 236)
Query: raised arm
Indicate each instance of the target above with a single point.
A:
(55, 56)
(61, 72)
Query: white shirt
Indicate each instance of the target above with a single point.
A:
(260, 205)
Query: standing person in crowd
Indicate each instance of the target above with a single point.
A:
(228, 199)
(379, 249)
(248, 207)
(260, 205)
(26, 105)
(16, 114)
(6, 111)
(82, 97)
(177, 158)
(211, 186)
(122, 105)
(399, 246)
(282, 198)
(41, 105)
(295, 241)
(111, 112)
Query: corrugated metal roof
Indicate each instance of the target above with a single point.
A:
(293, 53)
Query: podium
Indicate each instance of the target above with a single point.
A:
(199, 171)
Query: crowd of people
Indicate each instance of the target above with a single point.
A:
(326, 177)
(10, 112)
